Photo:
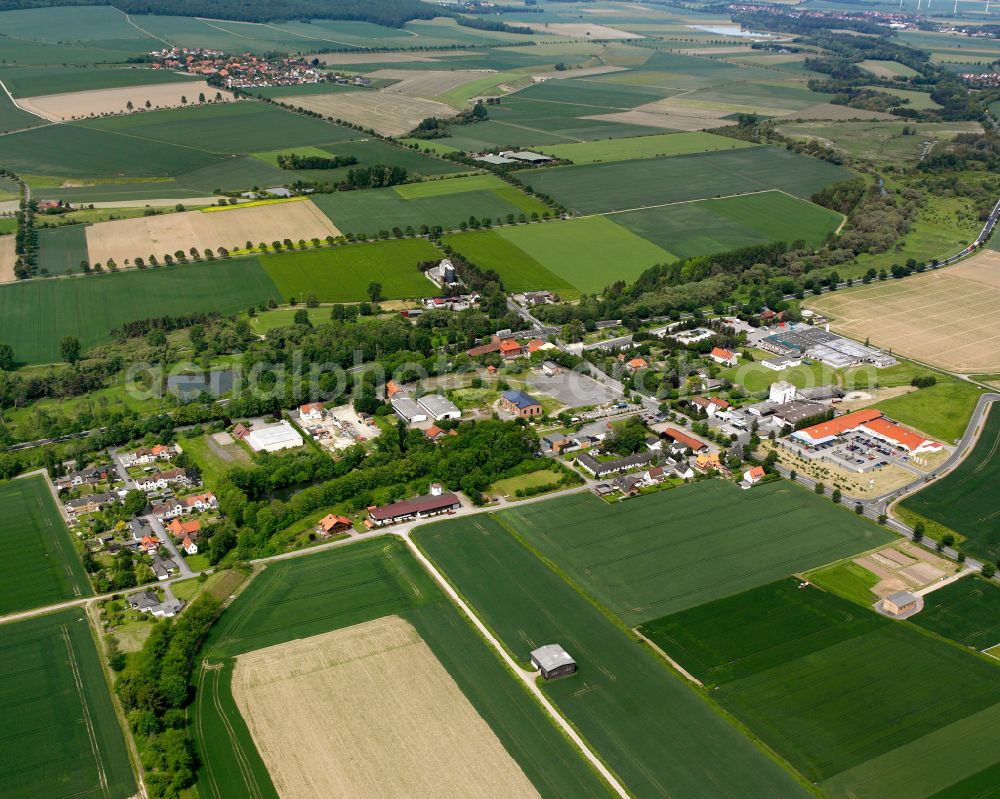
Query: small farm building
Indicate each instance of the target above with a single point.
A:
(553, 661)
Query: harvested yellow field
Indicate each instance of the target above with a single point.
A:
(229, 228)
(577, 72)
(948, 318)
(78, 105)
(375, 57)
(368, 711)
(427, 82)
(7, 259)
(582, 30)
(829, 111)
(385, 112)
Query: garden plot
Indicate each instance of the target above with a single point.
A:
(376, 714)
(230, 227)
(385, 112)
(101, 102)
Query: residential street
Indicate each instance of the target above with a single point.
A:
(168, 542)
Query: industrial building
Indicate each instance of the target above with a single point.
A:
(273, 437)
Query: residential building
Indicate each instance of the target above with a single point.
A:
(311, 412)
(435, 433)
(200, 502)
(754, 474)
(148, 602)
(509, 348)
(332, 523)
(89, 504)
(684, 440)
(189, 546)
(724, 356)
(601, 469)
(520, 403)
(707, 462)
(179, 529)
(636, 364)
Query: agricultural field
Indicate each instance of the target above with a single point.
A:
(100, 102)
(964, 500)
(334, 591)
(38, 81)
(655, 733)
(859, 704)
(342, 274)
(8, 259)
(445, 203)
(627, 185)
(378, 674)
(661, 553)
(385, 112)
(35, 314)
(61, 734)
(577, 252)
(914, 316)
(688, 229)
(887, 69)
(941, 411)
(967, 611)
(13, 118)
(229, 226)
(654, 146)
(43, 565)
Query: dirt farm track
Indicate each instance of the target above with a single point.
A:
(369, 711)
(949, 318)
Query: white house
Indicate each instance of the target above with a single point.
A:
(311, 412)
(781, 392)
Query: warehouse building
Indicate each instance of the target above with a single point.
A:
(553, 661)
(438, 407)
(409, 410)
(273, 437)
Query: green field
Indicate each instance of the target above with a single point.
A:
(710, 226)
(42, 564)
(657, 734)
(518, 270)
(598, 188)
(965, 499)
(61, 736)
(861, 705)
(62, 248)
(662, 553)
(588, 254)
(342, 274)
(643, 147)
(941, 411)
(967, 611)
(847, 579)
(13, 118)
(36, 81)
(445, 203)
(339, 588)
(35, 314)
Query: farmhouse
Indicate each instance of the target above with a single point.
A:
(438, 407)
(433, 504)
(332, 523)
(520, 404)
(509, 348)
(724, 356)
(602, 469)
(684, 440)
(435, 433)
(553, 661)
(409, 410)
(148, 602)
(273, 437)
(311, 412)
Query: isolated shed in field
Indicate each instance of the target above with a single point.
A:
(553, 661)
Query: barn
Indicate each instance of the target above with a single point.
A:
(553, 661)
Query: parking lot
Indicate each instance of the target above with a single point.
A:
(856, 452)
(572, 389)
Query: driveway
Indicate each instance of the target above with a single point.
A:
(168, 542)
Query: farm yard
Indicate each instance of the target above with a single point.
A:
(61, 734)
(230, 227)
(342, 274)
(35, 314)
(902, 713)
(98, 102)
(42, 562)
(626, 185)
(334, 591)
(652, 730)
(365, 688)
(915, 317)
(964, 500)
(661, 553)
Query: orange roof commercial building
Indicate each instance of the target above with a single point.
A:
(872, 422)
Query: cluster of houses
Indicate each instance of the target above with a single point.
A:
(509, 348)
(247, 70)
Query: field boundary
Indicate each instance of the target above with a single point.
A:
(660, 651)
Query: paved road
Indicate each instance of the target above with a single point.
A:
(168, 542)
(123, 474)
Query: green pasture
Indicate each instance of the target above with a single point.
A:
(708, 226)
(965, 499)
(342, 274)
(661, 553)
(100, 25)
(62, 248)
(35, 314)
(518, 270)
(43, 565)
(61, 734)
(659, 737)
(967, 611)
(599, 188)
(636, 147)
(37, 81)
(13, 118)
(875, 66)
(444, 205)
(339, 588)
(841, 692)
(941, 411)
(846, 579)
(589, 254)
